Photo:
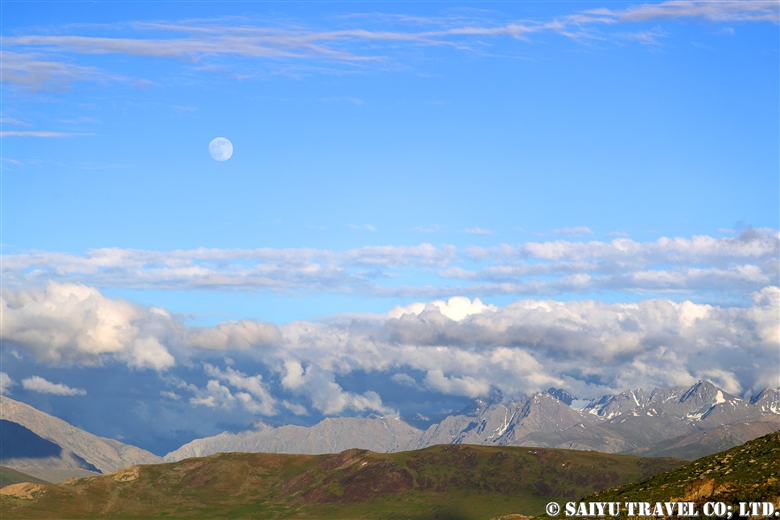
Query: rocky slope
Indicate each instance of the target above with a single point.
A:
(99, 453)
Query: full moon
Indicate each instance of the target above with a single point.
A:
(221, 149)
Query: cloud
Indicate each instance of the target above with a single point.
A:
(573, 231)
(239, 335)
(404, 380)
(35, 134)
(253, 385)
(466, 385)
(77, 324)
(734, 266)
(32, 71)
(327, 396)
(478, 231)
(41, 385)
(734, 11)
(463, 346)
(45, 61)
(5, 383)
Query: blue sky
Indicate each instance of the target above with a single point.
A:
(607, 162)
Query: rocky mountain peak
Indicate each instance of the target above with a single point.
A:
(768, 400)
(561, 395)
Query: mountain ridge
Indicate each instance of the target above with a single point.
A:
(629, 422)
(105, 455)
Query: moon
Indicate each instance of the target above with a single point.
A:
(221, 149)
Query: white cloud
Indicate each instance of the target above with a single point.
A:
(456, 308)
(239, 50)
(404, 380)
(214, 395)
(255, 389)
(5, 383)
(327, 396)
(464, 346)
(76, 324)
(733, 265)
(466, 385)
(41, 385)
(478, 231)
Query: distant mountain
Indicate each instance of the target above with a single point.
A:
(22, 448)
(664, 421)
(375, 433)
(455, 482)
(31, 439)
(10, 476)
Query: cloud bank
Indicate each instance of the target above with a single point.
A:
(460, 346)
(731, 267)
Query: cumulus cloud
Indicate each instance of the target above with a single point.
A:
(260, 400)
(75, 324)
(5, 383)
(589, 347)
(463, 346)
(42, 386)
(327, 396)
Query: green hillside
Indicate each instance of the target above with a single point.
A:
(750, 472)
(450, 481)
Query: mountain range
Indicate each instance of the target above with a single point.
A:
(667, 421)
(685, 422)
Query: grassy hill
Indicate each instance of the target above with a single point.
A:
(750, 472)
(450, 481)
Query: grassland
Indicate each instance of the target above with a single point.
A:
(452, 481)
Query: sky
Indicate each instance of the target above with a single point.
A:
(427, 202)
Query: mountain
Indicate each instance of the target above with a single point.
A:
(453, 481)
(746, 473)
(10, 476)
(21, 447)
(34, 439)
(375, 433)
(664, 421)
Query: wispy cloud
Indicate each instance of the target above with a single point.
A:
(573, 231)
(36, 134)
(41, 61)
(432, 228)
